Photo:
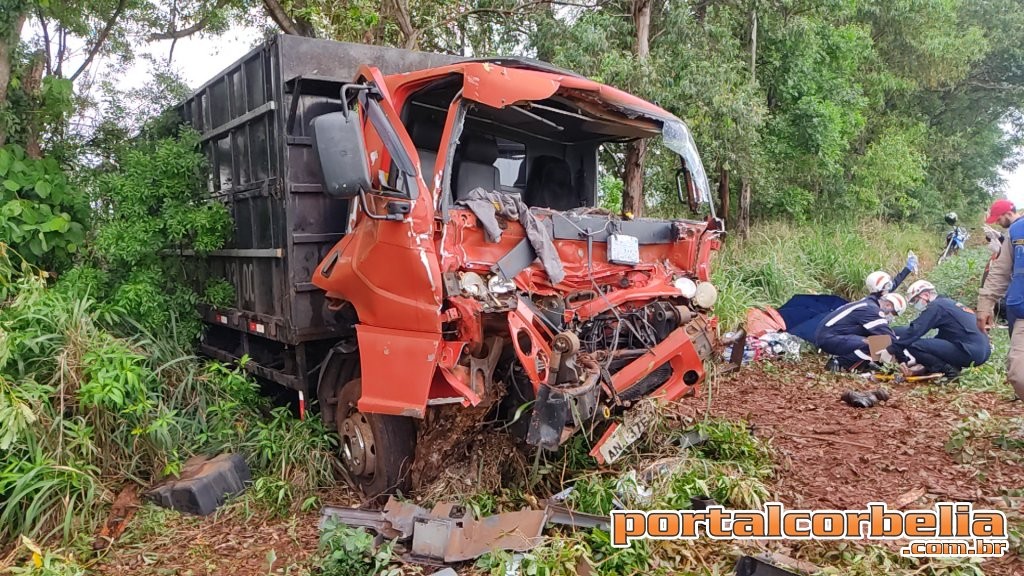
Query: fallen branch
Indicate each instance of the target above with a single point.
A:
(827, 439)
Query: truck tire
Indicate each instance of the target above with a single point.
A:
(376, 450)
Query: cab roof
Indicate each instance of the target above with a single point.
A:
(502, 82)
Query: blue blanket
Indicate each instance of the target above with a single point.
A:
(804, 312)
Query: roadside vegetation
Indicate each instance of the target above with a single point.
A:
(844, 130)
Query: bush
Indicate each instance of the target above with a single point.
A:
(83, 410)
(41, 217)
(152, 204)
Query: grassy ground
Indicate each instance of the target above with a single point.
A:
(272, 528)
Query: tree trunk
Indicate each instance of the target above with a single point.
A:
(723, 193)
(633, 179)
(636, 151)
(753, 46)
(32, 86)
(744, 220)
(7, 46)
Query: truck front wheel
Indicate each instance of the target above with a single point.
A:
(376, 450)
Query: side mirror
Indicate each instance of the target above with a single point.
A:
(339, 146)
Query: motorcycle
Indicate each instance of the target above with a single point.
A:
(956, 239)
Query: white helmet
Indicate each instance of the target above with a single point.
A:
(878, 281)
(918, 288)
(899, 303)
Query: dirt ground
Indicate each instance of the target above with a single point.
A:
(828, 456)
(832, 456)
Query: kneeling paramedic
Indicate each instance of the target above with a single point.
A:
(844, 332)
(958, 344)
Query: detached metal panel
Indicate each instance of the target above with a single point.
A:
(254, 120)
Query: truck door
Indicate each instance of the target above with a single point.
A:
(387, 266)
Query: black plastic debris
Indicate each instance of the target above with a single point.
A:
(751, 566)
(859, 399)
(204, 484)
(702, 502)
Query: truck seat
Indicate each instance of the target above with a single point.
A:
(476, 168)
(550, 184)
(426, 136)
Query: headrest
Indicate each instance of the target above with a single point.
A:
(477, 148)
(427, 135)
(549, 169)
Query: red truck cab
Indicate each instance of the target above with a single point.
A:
(477, 272)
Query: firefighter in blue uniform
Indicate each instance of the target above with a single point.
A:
(959, 342)
(843, 333)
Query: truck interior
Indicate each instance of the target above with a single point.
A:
(545, 152)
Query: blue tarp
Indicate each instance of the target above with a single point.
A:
(804, 312)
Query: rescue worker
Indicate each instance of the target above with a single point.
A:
(958, 344)
(844, 332)
(879, 283)
(1006, 278)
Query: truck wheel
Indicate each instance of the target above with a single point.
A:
(376, 450)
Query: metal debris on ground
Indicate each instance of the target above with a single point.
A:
(859, 399)
(451, 533)
(204, 484)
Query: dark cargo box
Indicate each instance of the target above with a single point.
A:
(254, 120)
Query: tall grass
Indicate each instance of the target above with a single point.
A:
(780, 260)
(90, 402)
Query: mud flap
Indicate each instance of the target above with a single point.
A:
(389, 357)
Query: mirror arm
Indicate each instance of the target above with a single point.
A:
(371, 215)
(679, 186)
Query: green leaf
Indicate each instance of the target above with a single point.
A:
(36, 247)
(43, 188)
(5, 161)
(55, 224)
(12, 185)
(11, 209)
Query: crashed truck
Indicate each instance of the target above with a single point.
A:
(417, 238)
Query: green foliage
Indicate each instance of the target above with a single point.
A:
(350, 551)
(82, 409)
(869, 109)
(219, 294)
(299, 452)
(40, 215)
(45, 563)
(153, 206)
(556, 557)
(960, 277)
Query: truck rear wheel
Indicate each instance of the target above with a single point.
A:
(376, 450)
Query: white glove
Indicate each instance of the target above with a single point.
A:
(885, 357)
(912, 261)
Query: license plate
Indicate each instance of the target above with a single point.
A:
(623, 249)
(619, 437)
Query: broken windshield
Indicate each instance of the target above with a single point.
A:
(676, 137)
